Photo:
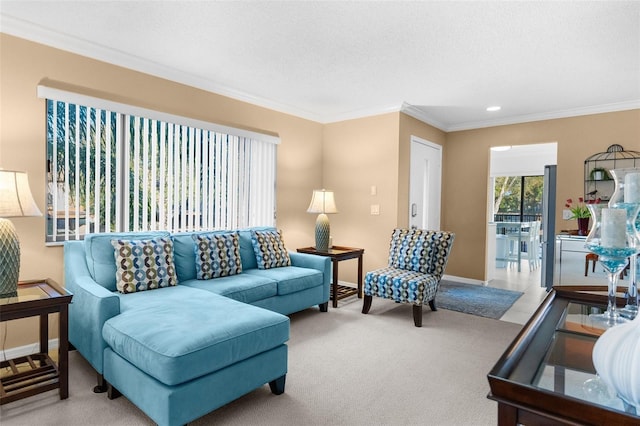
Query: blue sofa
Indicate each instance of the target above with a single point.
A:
(181, 351)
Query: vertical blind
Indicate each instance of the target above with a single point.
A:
(110, 171)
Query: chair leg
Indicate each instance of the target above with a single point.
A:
(417, 315)
(432, 304)
(586, 266)
(366, 304)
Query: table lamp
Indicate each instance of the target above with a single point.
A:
(15, 201)
(322, 202)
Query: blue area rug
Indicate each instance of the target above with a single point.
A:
(473, 299)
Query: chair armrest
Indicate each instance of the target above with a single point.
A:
(92, 305)
(312, 261)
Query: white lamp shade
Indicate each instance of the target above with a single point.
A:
(322, 201)
(15, 196)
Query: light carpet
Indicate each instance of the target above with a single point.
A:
(488, 302)
(345, 368)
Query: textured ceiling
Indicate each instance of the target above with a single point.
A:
(443, 62)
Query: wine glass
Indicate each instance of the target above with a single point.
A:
(627, 195)
(611, 240)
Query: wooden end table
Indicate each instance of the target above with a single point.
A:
(337, 254)
(38, 372)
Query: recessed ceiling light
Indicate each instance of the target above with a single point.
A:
(494, 108)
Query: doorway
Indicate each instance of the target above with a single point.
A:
(517, 170)
(425, 177)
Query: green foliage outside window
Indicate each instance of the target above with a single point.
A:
(507, 195)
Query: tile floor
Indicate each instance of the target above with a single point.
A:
(525, 281)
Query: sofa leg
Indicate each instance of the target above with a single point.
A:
(102, 385)
(366, 304)
(324, 307)
(277, 385)
(432, 304)
(417, 315)
(113, 393)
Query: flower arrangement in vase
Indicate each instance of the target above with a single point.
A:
(580, 212)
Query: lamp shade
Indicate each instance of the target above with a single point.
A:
(15, 196)
(15, 201)
(322, 201)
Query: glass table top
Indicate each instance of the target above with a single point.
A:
(30, 291)
(567, 367)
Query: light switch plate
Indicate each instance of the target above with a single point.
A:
(566, 214)
(375, 209)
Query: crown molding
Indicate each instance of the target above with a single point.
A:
(420, 115)
(567, 113)
(28, 31)
(361, 113)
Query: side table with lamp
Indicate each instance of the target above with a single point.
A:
(323, 202)
(35, 373)
(15, 201)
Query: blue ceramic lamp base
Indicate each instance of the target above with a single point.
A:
(9, 259)
(322, 232)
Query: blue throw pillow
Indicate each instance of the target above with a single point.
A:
(144, 264)
(269, 249)
(217, 255)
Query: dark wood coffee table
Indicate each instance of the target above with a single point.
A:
(37, 373)
(338, 254)
(546, 375)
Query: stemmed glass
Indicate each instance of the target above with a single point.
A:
(626, 195)
(610, 240)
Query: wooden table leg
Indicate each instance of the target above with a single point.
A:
(63, 352)
(44, 336)
(334, 285)
(360, 277)
(507, 415)
(44, 333)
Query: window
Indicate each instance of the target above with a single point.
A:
(517, 198)
(115, 171)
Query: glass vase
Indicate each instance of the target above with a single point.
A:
(627, 195)
(610, 240)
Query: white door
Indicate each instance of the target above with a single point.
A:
(425, 184)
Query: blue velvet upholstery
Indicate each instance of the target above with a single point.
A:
(180, 352)
(243, 287)
(183, 344)
(417, 260)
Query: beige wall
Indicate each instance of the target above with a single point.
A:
(358, 154)
(23, 65)
(466, 171)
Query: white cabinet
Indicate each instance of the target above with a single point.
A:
(570, 263)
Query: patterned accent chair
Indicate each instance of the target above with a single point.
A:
(417, 260)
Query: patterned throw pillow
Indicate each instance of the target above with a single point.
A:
(217, 255)
(144, 264)
(269, 249)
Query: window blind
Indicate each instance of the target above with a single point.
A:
(112, 171)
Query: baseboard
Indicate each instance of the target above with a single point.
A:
(464, 280)
(19, 351)
(348, 284)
